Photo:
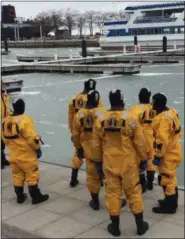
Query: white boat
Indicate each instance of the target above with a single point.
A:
(150, 23)
(13, 85)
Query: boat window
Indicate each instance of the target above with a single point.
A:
(118, 33)
(160, 31)
(166, 30)
(149, 31)
(156, 31)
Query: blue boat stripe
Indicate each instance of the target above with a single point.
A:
(155, 6)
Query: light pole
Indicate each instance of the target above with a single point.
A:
(19, 21)
(15, 33)
(41, 31)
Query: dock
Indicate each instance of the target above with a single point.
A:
(72, 68)
(67, 214)
(50, 43)
(170, 52)
(42, 58)
(172, 56)
(119, 58)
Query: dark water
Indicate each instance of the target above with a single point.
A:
(47, 97)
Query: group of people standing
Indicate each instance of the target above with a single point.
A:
(122, 148)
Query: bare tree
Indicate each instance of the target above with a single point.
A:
(43, 20)
(121, 14)
(101, 17)
(81, 23)
(70, 19)
(112, 15)
(90, 17)
(56, 19)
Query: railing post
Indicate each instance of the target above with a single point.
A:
(124, 50)
(164, 44)
(175, 46)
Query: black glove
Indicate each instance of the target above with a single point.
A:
(39, 153)
(80, 153)
(99, 169)
(156, 161)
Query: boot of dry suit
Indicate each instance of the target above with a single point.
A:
(142, 226)
(161, 201)
(113, 227)
(94, 203)
(150, 179)
(36, 195)
(168, 206)
(74, 176)
(21, 196)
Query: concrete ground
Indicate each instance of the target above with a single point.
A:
(67, 214)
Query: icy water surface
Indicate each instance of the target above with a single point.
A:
(47, 97)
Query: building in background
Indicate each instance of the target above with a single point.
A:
(15, 28)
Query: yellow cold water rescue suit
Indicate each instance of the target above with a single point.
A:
(168, 152)
(145, 115)
(82, 138)
(22, 141)
(77, 103)
(5, 107)
(5, 111)
(24, 150)
(117, 141)
(120, 137)
(142, 111)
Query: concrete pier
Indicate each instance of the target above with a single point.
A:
(67, 213)
(72, 68)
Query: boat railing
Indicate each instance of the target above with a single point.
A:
(154, 19)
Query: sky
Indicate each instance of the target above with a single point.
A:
(29, 9)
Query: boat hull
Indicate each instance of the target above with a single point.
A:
(146, 43)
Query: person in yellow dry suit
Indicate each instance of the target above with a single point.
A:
(77, 103)
(82, 139)
(145, 115)
(5, 111)
(168, 152)
(118, 140)
(24, 150)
